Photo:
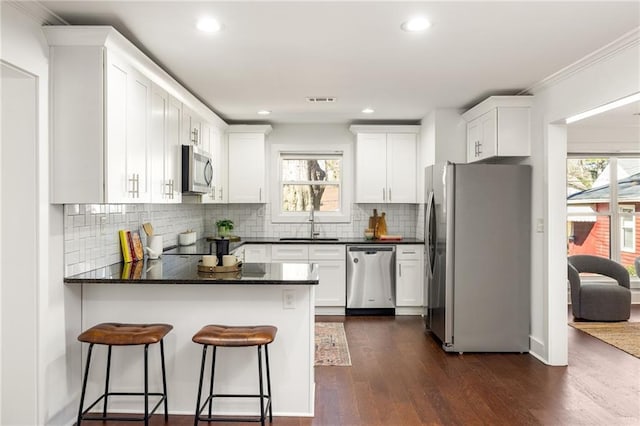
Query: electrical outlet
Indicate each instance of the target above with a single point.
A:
(289, 299)
(539, 226)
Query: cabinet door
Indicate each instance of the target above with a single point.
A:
(173, 152)
(473, 140)
(191, 127)
(257, 253)
(157, 141)
(217, 149)
(246, 168)
(401, 168)
(371, 168)
(128, 112)
(409, 283)
(331, 290)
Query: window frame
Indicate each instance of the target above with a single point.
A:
(281, 151)
(614, 214)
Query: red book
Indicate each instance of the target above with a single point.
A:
(131, 247)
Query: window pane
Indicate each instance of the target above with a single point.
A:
(588, 183)
(590, 235)
(299, 198)
(296, 170)
(628, 208)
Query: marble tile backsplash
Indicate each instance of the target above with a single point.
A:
(91, 230)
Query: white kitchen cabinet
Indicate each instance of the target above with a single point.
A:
(385, 165)
(290, 253)
(409, 275)
(256, 253)
(332, 288)
(246, 148)
(100, 123)
(164, 147)
(215, 144)
(101, 106)
(500, 126)
(191, 132)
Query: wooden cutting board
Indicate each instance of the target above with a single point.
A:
(382, 225)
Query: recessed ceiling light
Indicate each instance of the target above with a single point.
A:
(415, 24)
(264, 112)
(368, 111)
(208, 25)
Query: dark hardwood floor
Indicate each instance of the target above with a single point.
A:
(400, 376)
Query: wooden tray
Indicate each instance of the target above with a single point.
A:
(220, 269)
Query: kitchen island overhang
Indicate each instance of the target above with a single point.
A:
(275, 294)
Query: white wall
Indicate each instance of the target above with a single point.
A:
(57, 307)
(611, 75)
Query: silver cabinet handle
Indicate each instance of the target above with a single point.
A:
(260, 195)
(383, 195)
(135, 185)
(221, 194)
(400, 271)
(389, 194)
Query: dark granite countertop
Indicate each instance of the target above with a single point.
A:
(183, 269)
(206, 246)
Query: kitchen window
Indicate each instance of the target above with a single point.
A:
(309, 180)
(603, 205)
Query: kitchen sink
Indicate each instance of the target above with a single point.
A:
(307, 239)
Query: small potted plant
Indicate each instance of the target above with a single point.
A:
(224, 227)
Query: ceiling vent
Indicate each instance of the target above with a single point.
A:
(321, 99)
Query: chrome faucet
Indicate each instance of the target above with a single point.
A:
(312, 220)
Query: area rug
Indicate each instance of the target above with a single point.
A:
(623, 335)
(331, 344)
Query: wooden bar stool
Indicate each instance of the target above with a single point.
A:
(221, 335)
(116, 334)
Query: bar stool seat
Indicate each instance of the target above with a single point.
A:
(234, 336)
(118, 334)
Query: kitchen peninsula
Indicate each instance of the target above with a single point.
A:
(171, 290)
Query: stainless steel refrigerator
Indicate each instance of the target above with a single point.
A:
(478, 237)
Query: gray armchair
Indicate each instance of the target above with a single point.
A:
(599, 301)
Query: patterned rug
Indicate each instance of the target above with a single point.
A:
(331, 344)
(623, 335)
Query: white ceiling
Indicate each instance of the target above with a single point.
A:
(272, 55)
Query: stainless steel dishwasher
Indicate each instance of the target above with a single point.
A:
(371, 287)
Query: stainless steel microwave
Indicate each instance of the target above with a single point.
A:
(197, 170)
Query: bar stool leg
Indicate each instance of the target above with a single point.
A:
(164, 381)
(106, 383)
(146, 385)
(84, 383)
(213, 369)
(266, 354)
(261, 387)
(204, 358)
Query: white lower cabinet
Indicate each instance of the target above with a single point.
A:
(332, 289)
(409, 275)
(254, 253)
(330, 258)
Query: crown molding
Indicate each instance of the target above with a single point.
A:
(36, 11)
(626, 41)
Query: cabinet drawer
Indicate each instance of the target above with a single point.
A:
(326, 252)
(257, 253)
(412, 252)
(290, 252)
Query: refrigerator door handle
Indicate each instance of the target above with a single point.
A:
(449, 199)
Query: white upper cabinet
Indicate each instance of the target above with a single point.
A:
(500, 126)
(191, 128)
(107, 146)
(247, 160)
(216, 145)
(386, 159)
(164, 147)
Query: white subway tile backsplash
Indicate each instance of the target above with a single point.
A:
(91, 231)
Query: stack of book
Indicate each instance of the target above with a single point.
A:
(131, 246)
